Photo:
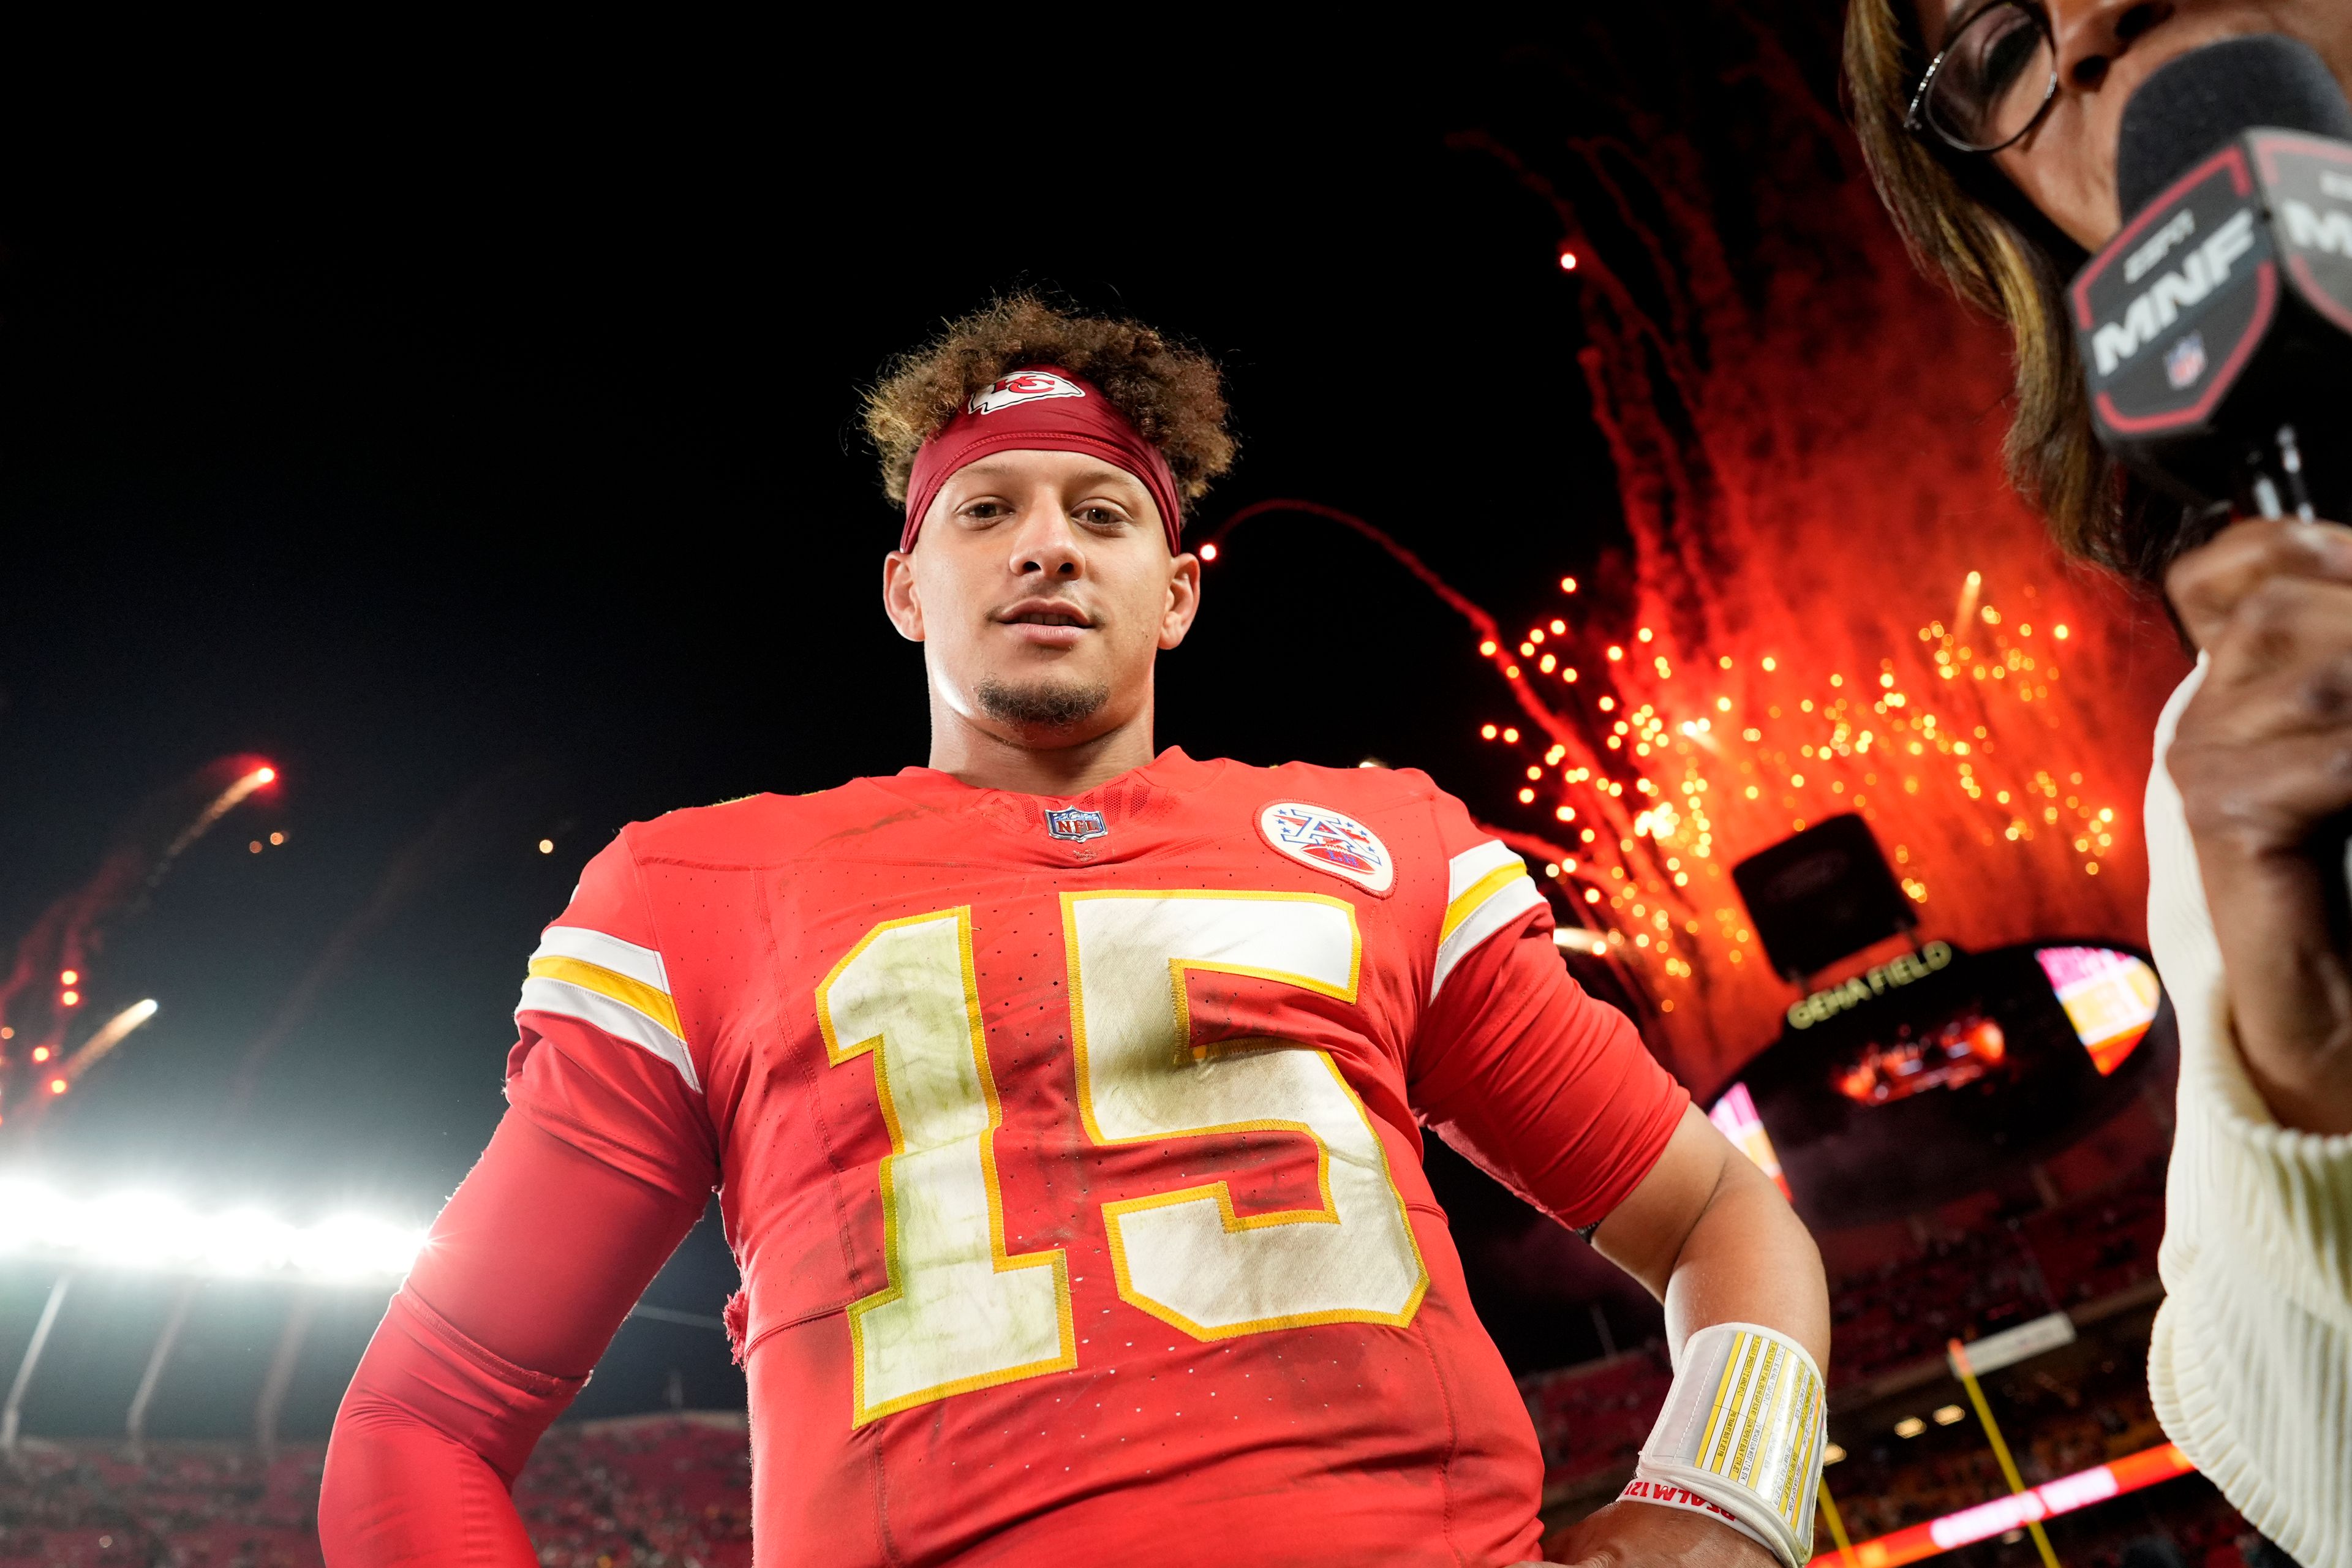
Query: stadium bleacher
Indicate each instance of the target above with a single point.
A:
(665, 1491)
(672, 1491)
(1895, 1315)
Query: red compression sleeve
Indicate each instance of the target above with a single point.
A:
(426, 1445)
(534, 1263)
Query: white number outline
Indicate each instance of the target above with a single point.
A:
(1220, 1191)
(894, 1264)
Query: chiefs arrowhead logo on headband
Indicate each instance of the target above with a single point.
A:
(1040, 408)
(1023, 386)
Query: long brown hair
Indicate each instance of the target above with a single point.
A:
(1960, 217)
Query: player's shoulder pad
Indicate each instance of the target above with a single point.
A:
(1355, 790)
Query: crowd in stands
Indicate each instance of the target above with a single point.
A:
(2095, 1410)
(2084, 1409)
(1992, 1278)
(652, 1492)
(187, 1505)
(2098, 1246)
(1895, 1315)
(673, 1491)
(1592, 1419)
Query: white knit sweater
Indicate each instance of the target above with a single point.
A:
(2251, 1362)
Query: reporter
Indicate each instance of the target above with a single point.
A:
(1991, 127)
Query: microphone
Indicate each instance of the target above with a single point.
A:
(2215, 329)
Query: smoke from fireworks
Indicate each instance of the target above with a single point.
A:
(1832, 602)
(50, 974)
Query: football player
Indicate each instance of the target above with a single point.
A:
(1065, 1099)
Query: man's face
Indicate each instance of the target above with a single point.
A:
(1042, 589)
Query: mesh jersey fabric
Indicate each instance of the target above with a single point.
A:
(1070, 1151)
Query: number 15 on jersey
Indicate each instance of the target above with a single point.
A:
(960, 1312)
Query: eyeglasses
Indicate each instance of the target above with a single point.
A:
(1995, 79)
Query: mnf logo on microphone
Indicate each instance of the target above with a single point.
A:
(2225, 270)
(2197, 264)
(2204, 269)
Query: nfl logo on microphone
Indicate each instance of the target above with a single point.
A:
(2185, 362)
(1076, 825)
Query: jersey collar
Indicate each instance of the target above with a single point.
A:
(1172, 770)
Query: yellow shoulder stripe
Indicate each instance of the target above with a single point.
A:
(1478, 892)
(652, 1001)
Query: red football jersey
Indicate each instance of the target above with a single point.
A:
(1070, 1151)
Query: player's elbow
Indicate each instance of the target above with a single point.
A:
(362, 1475)
(423, 1449)
(398, 1494)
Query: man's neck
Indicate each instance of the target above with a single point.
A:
(986, 760)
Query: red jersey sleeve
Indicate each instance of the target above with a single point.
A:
(1547, 1088)
(533, 1265)
(602, 1061)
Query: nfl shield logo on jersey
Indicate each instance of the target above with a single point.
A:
(1317, 837)
(1076, 825)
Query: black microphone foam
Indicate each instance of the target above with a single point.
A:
(2193, 104)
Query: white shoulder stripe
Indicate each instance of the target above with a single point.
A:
(542, 995)
(1465, 870)
(642, 965)
(1508, 903)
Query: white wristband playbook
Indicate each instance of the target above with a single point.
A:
(1740, 1439)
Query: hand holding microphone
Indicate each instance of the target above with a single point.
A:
(2215, 329)
(2216, 336)
(2262, 759)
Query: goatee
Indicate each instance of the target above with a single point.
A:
(1044, 705)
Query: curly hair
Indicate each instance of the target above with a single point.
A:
(1962, 218)
(1169, 390)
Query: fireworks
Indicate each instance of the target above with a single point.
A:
(110, 1035)
(1962, 743)
(251, 777)
(48, 988)
(1829, 601)
(1733, 754)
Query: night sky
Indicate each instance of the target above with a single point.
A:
(478, 445)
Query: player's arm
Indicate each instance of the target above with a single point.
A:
(1553, 1093)
(1710, 1237)
(604, 1162)
(528, 1273)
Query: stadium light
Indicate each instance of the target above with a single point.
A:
(154, 1231)
(2083, 1489)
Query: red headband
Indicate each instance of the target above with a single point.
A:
(1040, 409)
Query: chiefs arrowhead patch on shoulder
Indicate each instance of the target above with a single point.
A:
(1326, 840)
